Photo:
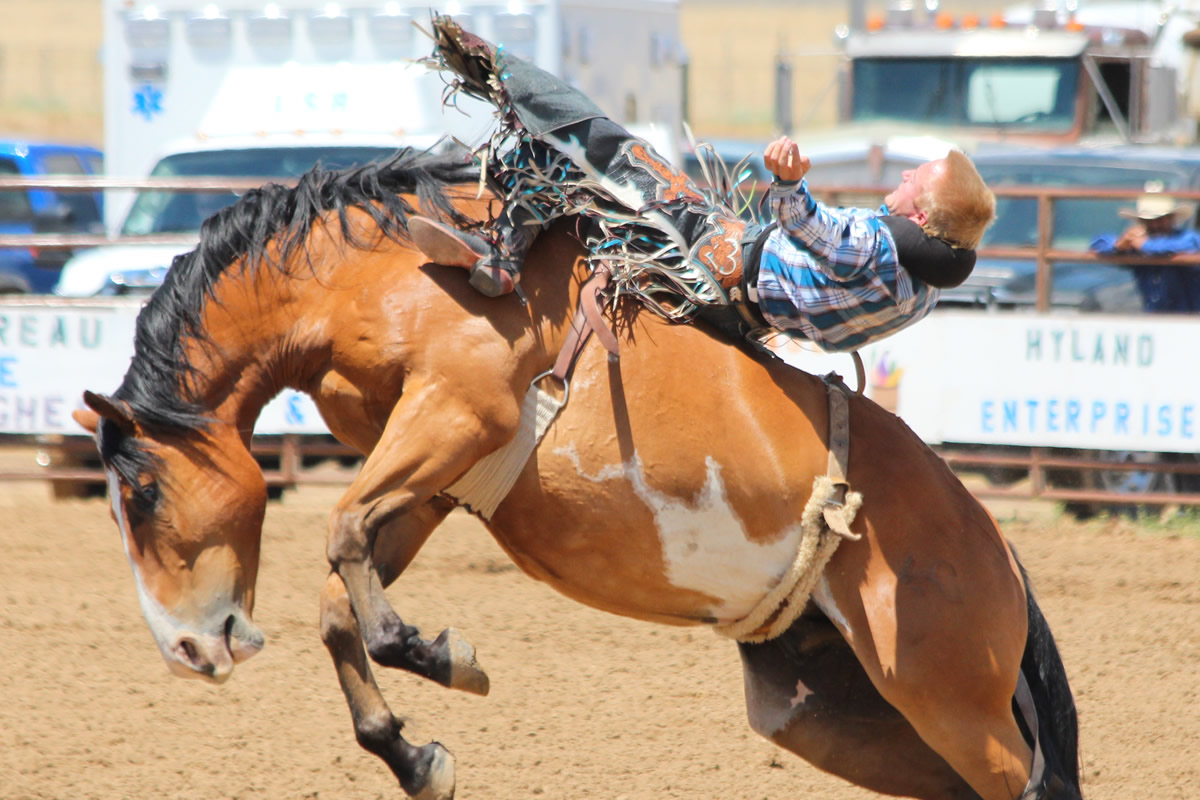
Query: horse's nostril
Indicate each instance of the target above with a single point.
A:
(188, 652)
(242, 638)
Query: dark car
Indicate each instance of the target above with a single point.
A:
(1086, 286)
(25, 211)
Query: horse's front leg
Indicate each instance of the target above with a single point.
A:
(430, 440)
(424, 772)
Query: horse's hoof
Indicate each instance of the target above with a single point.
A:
(465, 672)
(436, 781)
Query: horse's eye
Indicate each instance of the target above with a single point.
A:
(147, 495)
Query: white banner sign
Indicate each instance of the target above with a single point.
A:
(1092, 382)
(1116, 383)
(50, 353)
(1050, 380)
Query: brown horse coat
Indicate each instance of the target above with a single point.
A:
(669, 490)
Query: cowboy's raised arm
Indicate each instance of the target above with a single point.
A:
(844, 243)
(1179, 241)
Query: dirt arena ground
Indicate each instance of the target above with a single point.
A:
(583, 705)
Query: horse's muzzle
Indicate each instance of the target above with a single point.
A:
(212, 656)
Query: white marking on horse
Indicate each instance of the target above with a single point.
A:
(823, 596)
(162, 625)
(608, 473)
(165, 627)
(704, 544)
(769, 710)
(802, 694)
(579, 382)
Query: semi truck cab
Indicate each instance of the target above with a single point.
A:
(1109, 72)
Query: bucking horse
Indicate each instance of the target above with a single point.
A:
(887, 631)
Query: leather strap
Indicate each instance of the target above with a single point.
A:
(751, 254)
(588, 319)
(743, 298)
(589, 301)
(860, 373)
(839, 456)
(753, 257)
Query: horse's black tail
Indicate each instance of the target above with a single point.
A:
(1057, 723)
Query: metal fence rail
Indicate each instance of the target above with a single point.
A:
(67, 461)
(1039, 464)
(74, 459)
(71, 464)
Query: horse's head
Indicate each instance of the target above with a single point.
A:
(190, 512)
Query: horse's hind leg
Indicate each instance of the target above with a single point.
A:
(425, 772)
(806, 692)
(939, 625)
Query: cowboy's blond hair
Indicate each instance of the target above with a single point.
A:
(958, 204)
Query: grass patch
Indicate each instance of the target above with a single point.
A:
(1167, 521)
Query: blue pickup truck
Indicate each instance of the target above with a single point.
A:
(36, 271)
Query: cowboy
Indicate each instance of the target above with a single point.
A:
(1158, 233)
(846, 277)
(841, 277)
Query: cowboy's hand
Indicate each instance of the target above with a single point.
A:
(783, 159)
(1131, 239)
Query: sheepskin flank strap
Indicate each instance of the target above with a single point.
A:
(482, 488)
(824, 522)
(489, 481)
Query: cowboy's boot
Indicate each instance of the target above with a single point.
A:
(494, 270)
(498, 272)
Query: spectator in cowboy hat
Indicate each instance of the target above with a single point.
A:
(1158, 232)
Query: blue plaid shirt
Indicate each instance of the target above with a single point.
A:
(833, 273)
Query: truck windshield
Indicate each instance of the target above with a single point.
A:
(183, 212)
(1034, 95)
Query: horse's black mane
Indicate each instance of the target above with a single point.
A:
(160, 385)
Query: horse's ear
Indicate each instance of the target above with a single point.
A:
(104, 406)
(88, 420)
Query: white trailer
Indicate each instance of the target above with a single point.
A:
(179, 71)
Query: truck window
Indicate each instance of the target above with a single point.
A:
(1116, 76)
(183, 212)
(1008, 94)
(84, 206)
(62, 164)
(14, 203)
(1030, 94)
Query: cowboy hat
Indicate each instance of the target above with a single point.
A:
(1155, 206)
